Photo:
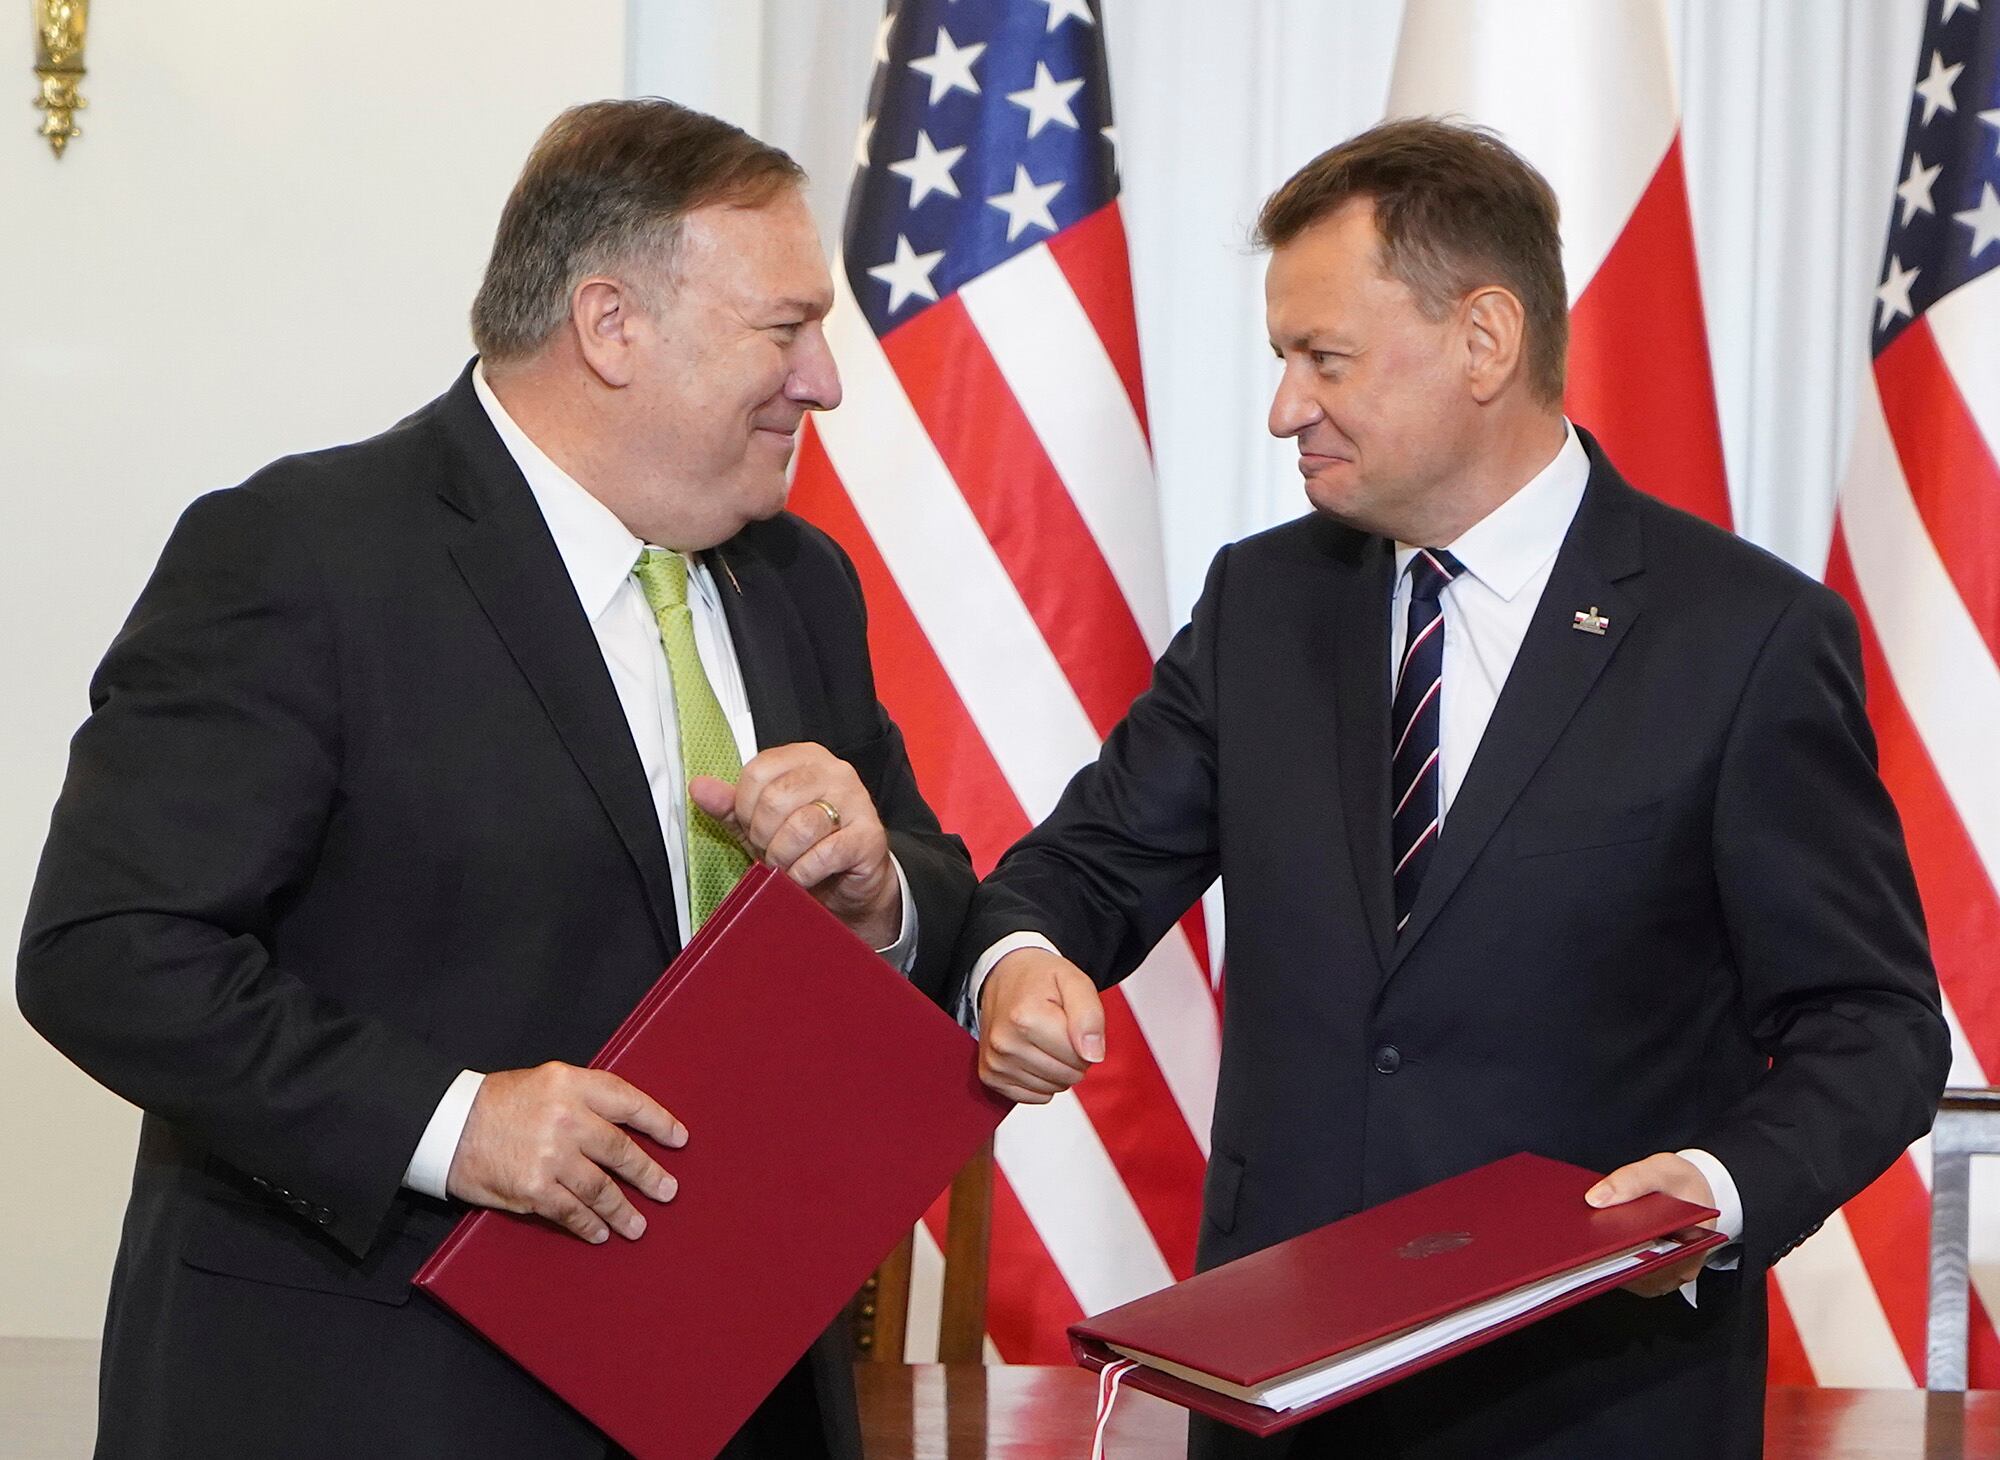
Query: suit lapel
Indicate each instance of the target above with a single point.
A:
(510, 563)
(1553, 673)
(761, 620)
(1360, 633)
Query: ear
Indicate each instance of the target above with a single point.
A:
(603, 313)
(1495, 336)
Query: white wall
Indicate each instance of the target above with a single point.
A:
(266, 240)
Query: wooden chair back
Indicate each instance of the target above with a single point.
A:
(881, 1311)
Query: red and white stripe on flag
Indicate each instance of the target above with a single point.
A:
(1916, 551)
(990, 474)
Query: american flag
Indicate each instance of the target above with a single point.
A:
(1916, 550)
(991, 476)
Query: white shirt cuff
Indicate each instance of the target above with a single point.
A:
(430, 1167)
(903, 952)
(1728, 1204)
(968, 1009)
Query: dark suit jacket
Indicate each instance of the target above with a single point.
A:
(1671, 907)
(356, 808)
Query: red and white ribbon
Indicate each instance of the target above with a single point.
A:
(1108, 1380)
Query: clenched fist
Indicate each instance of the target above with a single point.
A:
(1041, 1026)
(803, 810)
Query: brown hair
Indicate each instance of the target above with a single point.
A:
(1456, 208)
(606, 188)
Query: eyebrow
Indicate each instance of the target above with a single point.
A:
(811, 308)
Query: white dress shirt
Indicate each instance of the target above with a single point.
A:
(599, 553)
(1507, 557)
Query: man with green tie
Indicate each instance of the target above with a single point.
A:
(416, 762)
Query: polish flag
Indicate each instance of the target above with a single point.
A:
(1584, 89)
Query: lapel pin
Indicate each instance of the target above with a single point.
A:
(731, 573)
(1590, 621)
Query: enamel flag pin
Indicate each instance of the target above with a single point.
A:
(1590, 621)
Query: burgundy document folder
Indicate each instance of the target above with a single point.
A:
(827, 1102)
(1381, 1273)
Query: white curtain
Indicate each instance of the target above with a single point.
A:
(1793, 119)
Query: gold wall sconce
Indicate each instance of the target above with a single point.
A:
(59, 33)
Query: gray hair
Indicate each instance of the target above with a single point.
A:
(605, 190)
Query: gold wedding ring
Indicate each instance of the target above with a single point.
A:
(832, 812)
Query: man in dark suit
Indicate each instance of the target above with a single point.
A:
(1548, 818)
(410, 772)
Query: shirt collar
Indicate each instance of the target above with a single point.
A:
(1510, 544)
(596, 548)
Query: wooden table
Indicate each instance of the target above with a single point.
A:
(931, 1412)
(48, 1406)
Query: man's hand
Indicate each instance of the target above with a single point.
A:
(1041, 1026)
(547, 1141)
(1674, 1175)
(779, 810)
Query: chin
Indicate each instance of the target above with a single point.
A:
(1335, 498)
(764, 500)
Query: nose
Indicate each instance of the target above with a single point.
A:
(1293, 408)
(815, 380)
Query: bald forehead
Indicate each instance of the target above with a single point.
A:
(771, 249)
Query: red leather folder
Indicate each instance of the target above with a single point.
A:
(827, 1103)
(1378, 1274)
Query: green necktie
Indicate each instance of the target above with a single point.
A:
(715, 860)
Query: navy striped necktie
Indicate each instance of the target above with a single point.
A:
(1415, 781)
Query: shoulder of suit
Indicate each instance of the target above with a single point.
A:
(353, 484)
(1678, 545)
(1311, 538)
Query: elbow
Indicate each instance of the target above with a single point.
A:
(44, 990)
(1938, 1066)
(35, 989)
(1930, 1066)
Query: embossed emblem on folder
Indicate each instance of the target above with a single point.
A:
(1431, 1244)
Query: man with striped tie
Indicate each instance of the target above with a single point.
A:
(410, 772)
(1548, 820)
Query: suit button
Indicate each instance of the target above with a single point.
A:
(1388, 1059)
